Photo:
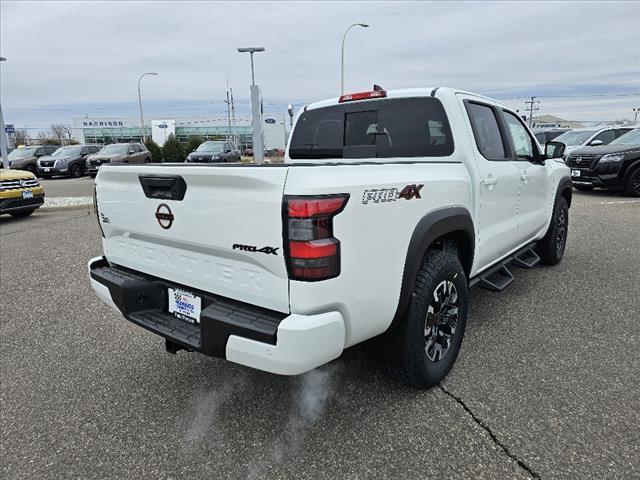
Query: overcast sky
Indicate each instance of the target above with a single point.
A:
(68, 59)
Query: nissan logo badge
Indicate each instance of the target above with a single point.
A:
(164, 216)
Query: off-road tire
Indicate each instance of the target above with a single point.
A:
(22, 213)
(584, 188)
(75, 170)
(415, 368)
(551, 247)
(632, 185)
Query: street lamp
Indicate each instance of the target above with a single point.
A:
(364, 25)
(144, 137)
(256, 109)
(636, 111)
(3, 136)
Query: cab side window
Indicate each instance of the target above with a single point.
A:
(486, 131)
(522, 142)
(605, 137)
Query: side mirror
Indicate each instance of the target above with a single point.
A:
(595, 143)
(554, 149)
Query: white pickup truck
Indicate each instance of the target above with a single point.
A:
(389, 206)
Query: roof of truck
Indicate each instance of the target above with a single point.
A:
(405, 93)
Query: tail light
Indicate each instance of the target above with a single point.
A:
(95, 208)
(313, 253)
(352, 97)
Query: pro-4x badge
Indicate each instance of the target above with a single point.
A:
(383, 195)
(253, 248)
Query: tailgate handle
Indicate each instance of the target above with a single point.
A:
(163, 187)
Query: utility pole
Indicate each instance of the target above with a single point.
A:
(532, 107)
(228, 102)
(233, 120)
(142, 130)
(256, 109)
(635, 114)
(3, 136)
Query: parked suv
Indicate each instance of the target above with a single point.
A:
(20, 193)
(590, 137)
(616, 165)
(118, 153)
(214, 152)
(69, 161)
(389, 206)
(25, 158)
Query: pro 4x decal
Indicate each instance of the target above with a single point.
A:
(383, 195)
(253, 248)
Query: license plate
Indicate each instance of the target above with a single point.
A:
(47, 169)
(27, 194)
(184, 305)
(575, 173)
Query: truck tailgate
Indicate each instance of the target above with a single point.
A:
(223, 237)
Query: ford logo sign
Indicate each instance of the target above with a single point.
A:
(163, 125)
(269, 120)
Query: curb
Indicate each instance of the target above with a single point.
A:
(63, 208)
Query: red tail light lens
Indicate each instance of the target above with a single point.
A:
(313, 253)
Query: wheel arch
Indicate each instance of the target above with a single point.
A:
(564, 189)
(630, 168)
(449, 225)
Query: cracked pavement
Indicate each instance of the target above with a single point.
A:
(546, 385)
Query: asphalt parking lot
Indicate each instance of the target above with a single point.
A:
(68, 187)
(546, 386)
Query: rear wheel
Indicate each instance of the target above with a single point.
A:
(551, 247)
(583, 188)
(75, 170)
(632, 185)
(22, 213)
(435, 321)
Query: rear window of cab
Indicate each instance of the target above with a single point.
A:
(400, 127)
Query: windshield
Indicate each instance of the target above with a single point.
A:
(629, 138)
(575, 137)
(210, 147)
(402, 127)
(22, 153)
(67, 152)
(114, 150)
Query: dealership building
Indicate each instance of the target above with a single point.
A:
(115, 129)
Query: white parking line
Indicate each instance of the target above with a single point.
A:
(608, 203)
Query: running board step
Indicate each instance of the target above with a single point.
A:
(527, 259)
(497, 280)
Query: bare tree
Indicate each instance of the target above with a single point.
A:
(21, 137)
(48, 138)
(60, 132)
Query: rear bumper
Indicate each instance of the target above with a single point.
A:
(256, 337)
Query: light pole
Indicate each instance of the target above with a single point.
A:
(3, 136)
(364, 25)
(142, 131)
(636, 111)
(256, 109)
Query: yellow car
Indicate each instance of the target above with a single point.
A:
(20, 193)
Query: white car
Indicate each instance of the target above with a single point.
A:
(590, 137)
(389, 206)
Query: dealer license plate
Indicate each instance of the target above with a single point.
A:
(185, 305)
(27, 194)
(47, 169)
(575, 173)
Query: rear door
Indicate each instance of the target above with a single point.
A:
(224, 236)
(500, 184)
